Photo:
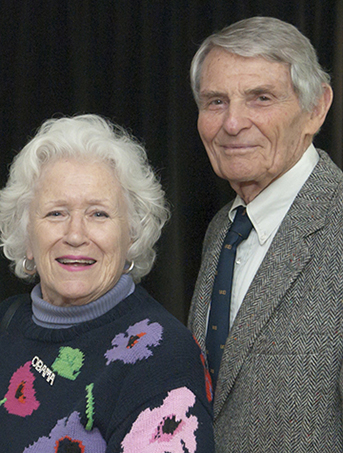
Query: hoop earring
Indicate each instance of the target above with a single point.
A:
(129, 269)
(29, 269)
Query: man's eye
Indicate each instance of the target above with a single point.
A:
(216, 102)
(54, 214)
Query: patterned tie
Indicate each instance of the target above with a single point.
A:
(219, 321)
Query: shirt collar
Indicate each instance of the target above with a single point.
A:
(268, 209)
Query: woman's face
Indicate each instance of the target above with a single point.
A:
(78, 231)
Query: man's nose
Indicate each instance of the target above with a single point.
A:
(76, 230)
(236, 118)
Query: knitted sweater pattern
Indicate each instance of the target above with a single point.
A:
(132, 380)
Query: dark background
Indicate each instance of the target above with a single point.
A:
(129, 60)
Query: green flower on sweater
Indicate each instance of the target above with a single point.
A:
(68, 362)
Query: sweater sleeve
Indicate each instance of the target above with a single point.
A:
(165, 403)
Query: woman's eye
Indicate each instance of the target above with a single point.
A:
(264, 98)
(54, 214)
(101, 214)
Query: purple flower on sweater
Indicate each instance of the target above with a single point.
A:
(165, 428)
(69, 435)
(136, 343)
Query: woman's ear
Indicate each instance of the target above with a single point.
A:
(29, 252)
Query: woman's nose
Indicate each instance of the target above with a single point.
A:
(76, 230)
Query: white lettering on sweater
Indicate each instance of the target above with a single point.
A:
(46, 373)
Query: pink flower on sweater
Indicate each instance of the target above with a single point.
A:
(20, 398)
(165, 428)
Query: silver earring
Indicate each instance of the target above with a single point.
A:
(29, 266)
(129, 269)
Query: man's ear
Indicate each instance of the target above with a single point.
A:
(320, 111)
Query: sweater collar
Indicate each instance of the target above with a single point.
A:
(55, 317)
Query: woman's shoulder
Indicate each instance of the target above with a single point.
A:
(9, 307)
(150, 307)
(161, 348)
(25, 298)
(162, 329)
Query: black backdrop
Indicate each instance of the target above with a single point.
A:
(128, 60)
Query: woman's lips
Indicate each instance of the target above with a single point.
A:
(75, 262)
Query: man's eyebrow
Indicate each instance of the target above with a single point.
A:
(255, 90)
(260, 89)
(212, 94)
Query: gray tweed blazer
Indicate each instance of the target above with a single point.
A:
(280, 385)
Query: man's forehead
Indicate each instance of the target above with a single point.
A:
(220, 55)
(220, 66)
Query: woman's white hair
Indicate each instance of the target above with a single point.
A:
(273, 40)
(93, 138)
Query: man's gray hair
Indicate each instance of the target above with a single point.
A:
(273, 40)
(85, 138)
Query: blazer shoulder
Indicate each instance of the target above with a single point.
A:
(326, 166)
(326, 178)
(217, 224)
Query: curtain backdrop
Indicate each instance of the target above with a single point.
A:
(129, 61)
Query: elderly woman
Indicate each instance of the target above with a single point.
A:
(89, 361)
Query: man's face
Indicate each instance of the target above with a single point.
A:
(250, 120)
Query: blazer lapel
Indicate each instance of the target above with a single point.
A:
(203, 291)
(284, 261)
(286, 258)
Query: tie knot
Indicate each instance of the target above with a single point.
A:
(241, 224)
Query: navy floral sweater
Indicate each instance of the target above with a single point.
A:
(132, 381)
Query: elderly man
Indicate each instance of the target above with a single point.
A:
(273, 331)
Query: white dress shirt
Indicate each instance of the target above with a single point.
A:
(266, 213)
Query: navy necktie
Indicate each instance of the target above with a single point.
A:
(219, 320)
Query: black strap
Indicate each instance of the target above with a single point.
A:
(6, 320)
